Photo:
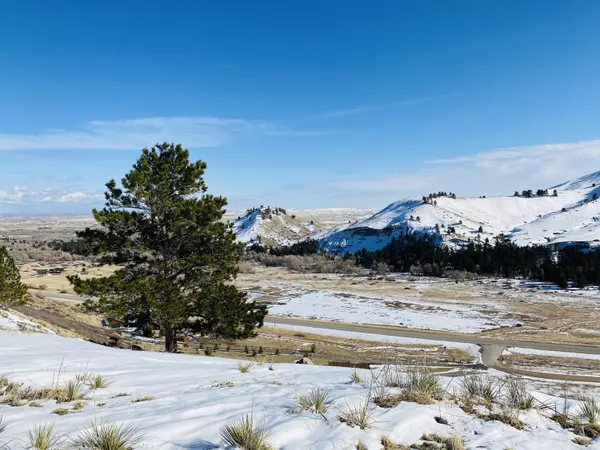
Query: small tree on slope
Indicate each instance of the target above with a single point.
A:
(179, 257)
(12, 291)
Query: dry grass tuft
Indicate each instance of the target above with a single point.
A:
(508, 419)
(97, 382)
(388, 444)
(389, 401)
(78, 406)
(447, 443)
(355, 377)
(122, 394)
(581, 441)
(244, 367)
(61, 411)
(145, 398)
(360, 445)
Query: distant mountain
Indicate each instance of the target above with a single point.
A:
(534, 217)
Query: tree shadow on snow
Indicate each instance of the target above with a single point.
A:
(200, 445)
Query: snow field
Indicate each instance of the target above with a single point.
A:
(193, 401)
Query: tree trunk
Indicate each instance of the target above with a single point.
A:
(170, 339)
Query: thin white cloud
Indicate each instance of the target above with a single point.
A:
(499, 172)
(578, 149)
(24, 195)
(194, 132)
(368, 108)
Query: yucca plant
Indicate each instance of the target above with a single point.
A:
(244, 435)
(42, 437)
(316, 401)
(107, 436)
(590, 410)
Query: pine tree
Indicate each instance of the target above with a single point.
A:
(178, 257)
(12, 291)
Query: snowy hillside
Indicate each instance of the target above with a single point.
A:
(572, 215)
(182, 401)
(271, 226)
(277, 226)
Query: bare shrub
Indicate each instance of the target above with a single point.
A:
(246, 267)
(317, 263)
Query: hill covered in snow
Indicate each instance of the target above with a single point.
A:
(563, 214)
(274, 226)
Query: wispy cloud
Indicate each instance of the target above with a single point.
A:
(574, 149)
(498, 172)
(369, 108)
(194, 132)
(24, 195)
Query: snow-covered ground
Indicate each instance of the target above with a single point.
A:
(571, 216)
(387, 310)
(12, 322)
(552, 354)
(472, 349)
(194, 396)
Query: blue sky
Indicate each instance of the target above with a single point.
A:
(298, 104)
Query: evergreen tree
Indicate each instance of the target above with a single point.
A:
(178, 257)
(554, 193)
(12, 291)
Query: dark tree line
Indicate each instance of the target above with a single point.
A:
(503, 258)
(303, 248)
(430, 199)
